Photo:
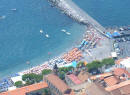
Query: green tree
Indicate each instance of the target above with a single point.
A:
(46, 71)
(46, 91)
(32, 78)
(18, 84)
(108, 61)
(65, 69)
(62, 71)
(62, 75)
(94, 65)
(80, 64)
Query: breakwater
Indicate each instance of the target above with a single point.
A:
(69, 8)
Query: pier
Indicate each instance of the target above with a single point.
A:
(69, 8)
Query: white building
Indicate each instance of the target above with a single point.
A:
(124, 63)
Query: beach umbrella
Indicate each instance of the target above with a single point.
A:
(85, 63)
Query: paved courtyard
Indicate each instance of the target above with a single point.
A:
(100, 52)
(125, 49)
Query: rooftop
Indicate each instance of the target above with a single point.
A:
(110, 81)
(100, 76)
(125, 62)
(57, 82)
(114, 87)
(125, 90)
(83, 76)
(26, 89)
(116, 92)
(121, 71)
(74, 78)
(122, 91)
(95, 89)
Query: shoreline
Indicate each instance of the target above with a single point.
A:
(94, 31)
(51, 59)
(58, 57)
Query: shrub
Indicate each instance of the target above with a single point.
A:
(18, 84)
(32, 78)
(46, 71)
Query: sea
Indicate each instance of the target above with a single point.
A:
(20, 37)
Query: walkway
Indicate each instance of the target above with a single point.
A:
(69, 8)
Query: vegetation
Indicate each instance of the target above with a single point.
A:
(95, 65)
(32, 78)
(46, 91)
(108, 61)
(65, 69)
(18, 84)
(46, 71)
(62, 75)
(62, 71)
(80, 64)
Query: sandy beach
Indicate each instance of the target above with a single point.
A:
(92, 40)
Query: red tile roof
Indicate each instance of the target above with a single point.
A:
(114, 87)
(57, 82)
(74, 79)
(125, 90)
(100, 76)
(83, 76)
(120, 71)
(110, 81)
(116, 92)
(95, 89)
(26, 89)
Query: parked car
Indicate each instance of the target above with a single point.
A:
(116, 45)
(117, 50)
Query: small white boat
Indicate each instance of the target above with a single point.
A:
(63, 30)
(13, 9)
(47, 35)
(2, 17)
(68, 33)
(41, 31)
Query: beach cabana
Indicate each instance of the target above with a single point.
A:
(116, 34)
(108, 34)
(74, 64)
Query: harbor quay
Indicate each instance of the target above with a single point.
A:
(69, 8)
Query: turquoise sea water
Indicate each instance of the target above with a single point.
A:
(20, 37)
(21, 41)
(107, 12)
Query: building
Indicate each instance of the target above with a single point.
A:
(72, 80)
(26, 89)
(122, 88)
(125, 90)
(83, 76)
(101, 76)
(57, 86)
(112, 80)
(123, 63)
(95, 89)
(122, 73)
